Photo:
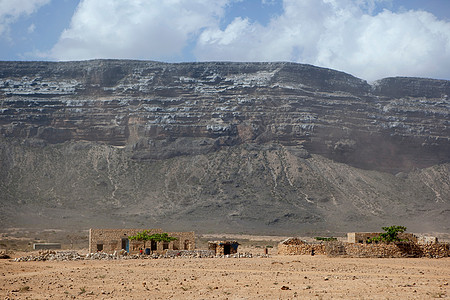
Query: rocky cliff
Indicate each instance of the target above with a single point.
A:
(265, 147)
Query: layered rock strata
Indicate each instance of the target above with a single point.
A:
(261, 146)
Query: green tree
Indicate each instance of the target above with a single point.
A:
(162, 237)
(391, 234)
(141, 236)
(156, 237)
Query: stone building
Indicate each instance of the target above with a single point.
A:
(110, 240)
(362, 237)
(223, 247)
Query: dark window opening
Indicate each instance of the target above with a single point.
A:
(165, 245)
(99, 247)
(154, 246)
(226, 249)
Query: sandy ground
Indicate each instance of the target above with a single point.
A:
(277, 277)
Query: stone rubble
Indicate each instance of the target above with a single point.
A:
(170, 254)
(51, 255)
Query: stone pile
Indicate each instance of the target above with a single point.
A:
(51, 255)
(242, 255)
(101, 256)
(189, 253)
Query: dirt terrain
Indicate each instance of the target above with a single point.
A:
(276, 277)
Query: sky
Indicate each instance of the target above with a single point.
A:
(370, 39)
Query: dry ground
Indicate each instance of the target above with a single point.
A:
(304, 277)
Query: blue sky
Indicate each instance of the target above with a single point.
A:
(370, 39)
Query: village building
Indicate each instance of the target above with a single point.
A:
(111, 240)
(223, 247)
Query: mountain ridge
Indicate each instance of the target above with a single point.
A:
(274, 115)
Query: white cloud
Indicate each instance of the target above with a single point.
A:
(340, 34)
(12, 10)
(353, 36)
(152, 29)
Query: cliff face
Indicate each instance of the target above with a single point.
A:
(223, 141)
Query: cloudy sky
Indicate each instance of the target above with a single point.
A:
(370, 39)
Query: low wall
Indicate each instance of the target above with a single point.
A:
(302, 249)
(403, 249)
(397, 250)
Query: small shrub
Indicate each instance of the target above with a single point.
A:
(82, 291)
(25, 288)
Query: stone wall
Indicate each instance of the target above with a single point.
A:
(295, 246)
(302, 249)
(110, 240)
(401, 249)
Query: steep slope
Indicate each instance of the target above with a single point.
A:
(244, 188)
(261, 147)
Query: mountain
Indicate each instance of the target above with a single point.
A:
(237, 147)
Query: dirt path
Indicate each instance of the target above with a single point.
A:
(303, 277)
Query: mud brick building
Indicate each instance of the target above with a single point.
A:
(110, 240)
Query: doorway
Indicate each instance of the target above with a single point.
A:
(226, 249)
(126, 244)
(154, 245)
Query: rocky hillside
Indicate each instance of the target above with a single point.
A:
(237, 147)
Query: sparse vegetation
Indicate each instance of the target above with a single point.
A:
(25, 288)
(82, 291)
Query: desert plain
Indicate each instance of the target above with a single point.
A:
(273, 277)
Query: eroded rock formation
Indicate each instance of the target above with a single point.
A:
(248, 145)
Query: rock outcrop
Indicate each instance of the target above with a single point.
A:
(252, 145)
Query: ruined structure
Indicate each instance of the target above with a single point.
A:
(110, 240)
(223, 247)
